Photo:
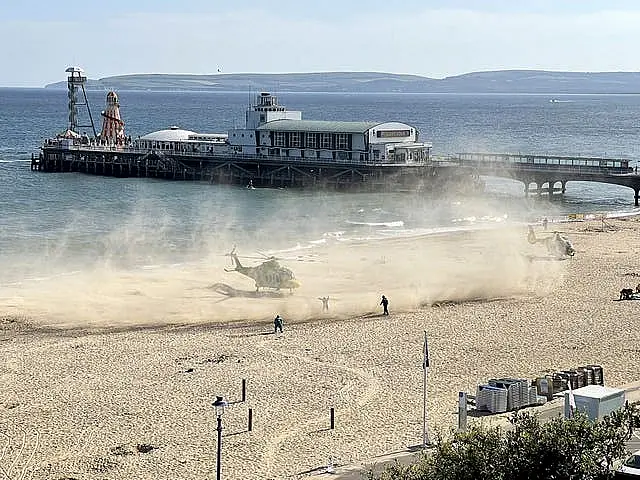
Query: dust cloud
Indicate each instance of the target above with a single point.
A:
(411, 271)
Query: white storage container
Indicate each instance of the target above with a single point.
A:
(595, 400)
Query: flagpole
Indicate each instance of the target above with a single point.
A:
(425, 368)
(572, 400)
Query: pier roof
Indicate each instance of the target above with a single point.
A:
(173, 134)
(321, 126)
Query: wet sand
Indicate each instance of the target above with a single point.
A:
(95, 364)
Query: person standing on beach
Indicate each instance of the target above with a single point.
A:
(278, 323)
(544, 223)
(325, 303)
(385, 303)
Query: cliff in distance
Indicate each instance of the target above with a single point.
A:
(504, 81)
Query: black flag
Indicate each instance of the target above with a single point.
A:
(425, 362)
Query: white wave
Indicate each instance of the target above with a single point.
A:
(581, 217)
(623, 214)
(296, 248)
(398, 223)
(43, 278)
(484, 218)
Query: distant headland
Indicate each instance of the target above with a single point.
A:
(504, 81)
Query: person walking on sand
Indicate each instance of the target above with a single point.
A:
(325, 303)
(278, 323)
(385, 303)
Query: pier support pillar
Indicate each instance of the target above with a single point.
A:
(564, 186)
(636, 196)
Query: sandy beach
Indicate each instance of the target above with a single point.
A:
(111, 374)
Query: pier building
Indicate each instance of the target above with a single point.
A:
(275, 148)
(273, 131)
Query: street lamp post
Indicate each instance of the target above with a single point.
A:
(219, 405)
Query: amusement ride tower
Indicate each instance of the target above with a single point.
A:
(75, 82)
(112, 125)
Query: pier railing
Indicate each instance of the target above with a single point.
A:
(231, 156)
(554, 163)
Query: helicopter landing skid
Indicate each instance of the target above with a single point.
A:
(229, 291)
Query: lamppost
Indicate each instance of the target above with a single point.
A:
(219, 405)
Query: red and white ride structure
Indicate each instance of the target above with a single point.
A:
(112, 125)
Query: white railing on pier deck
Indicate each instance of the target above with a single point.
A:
(230, 156)
(541, 160)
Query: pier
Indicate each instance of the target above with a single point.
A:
(540, 174)
(294, 172)
(550, 173)
(276, 148)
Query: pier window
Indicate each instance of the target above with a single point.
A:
(279, 139)
(294, 139)
(325, 140)
(311, 140)
(342, 141)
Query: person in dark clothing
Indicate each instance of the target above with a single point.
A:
(384, 302)
(278, 323)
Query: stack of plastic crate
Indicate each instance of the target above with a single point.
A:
(598, 374)
(571, 376)
(559, 382)
(492, 399)
(517, 391)
(588, 375)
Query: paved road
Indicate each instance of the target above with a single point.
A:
(545, 412)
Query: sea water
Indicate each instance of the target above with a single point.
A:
(74, 220)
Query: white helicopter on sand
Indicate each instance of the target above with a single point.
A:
(557, 245)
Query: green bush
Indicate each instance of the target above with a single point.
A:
(571, 449)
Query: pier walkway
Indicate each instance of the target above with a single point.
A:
(549, 173)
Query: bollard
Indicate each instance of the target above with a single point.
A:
(250, 426)
(332, 421)
(462, 411)
(244, 389)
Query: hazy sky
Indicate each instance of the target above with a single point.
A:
(435, 38)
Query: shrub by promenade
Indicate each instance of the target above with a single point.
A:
(559, 449)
